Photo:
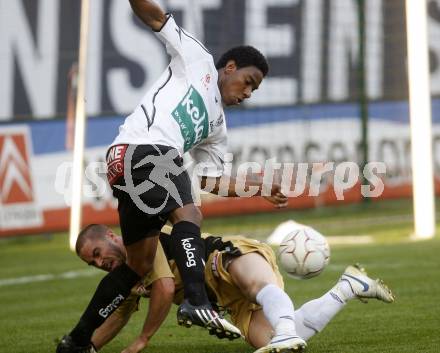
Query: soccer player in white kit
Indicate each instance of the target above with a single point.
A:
(182, 112)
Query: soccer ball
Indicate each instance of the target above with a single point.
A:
(304, 253)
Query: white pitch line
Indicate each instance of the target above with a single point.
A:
(48, 277)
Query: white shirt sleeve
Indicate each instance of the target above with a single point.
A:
(209, 156)
(183, 47)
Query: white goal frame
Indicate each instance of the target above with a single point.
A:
(79, 135)
(420, 117)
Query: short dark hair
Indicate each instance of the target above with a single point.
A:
(92, 231)
(244, 55)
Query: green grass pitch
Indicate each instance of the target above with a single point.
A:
(48, 303)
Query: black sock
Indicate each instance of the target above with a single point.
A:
(188, 251)
(110, 293)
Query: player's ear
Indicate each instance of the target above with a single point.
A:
(230, 67)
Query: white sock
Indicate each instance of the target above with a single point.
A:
(343, 291)
(278, 309)
(314, 315)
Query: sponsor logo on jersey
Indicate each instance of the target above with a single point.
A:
(192, 117)
(18, 208)
(115, 163)
(189, 252)
(104, 312)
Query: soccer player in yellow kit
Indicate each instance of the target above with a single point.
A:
(239, 273)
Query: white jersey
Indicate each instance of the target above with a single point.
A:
(183, 109)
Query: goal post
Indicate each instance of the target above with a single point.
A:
(72, 77)
(420, 119)
(79, 134)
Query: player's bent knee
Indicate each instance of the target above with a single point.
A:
(189, 213)
(254, 287)
(251, 273)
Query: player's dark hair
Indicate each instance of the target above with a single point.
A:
(244, 56)
(92, 231)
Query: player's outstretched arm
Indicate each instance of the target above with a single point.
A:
(161, 298)
(149, 12)
(271, 193)
(110, 328)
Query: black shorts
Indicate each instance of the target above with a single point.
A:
(149, 182)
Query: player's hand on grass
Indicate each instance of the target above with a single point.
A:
(277, 197)
(137, 345)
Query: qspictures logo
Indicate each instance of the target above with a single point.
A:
(18, 207)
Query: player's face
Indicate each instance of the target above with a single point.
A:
(106, 253)
(237, 84)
